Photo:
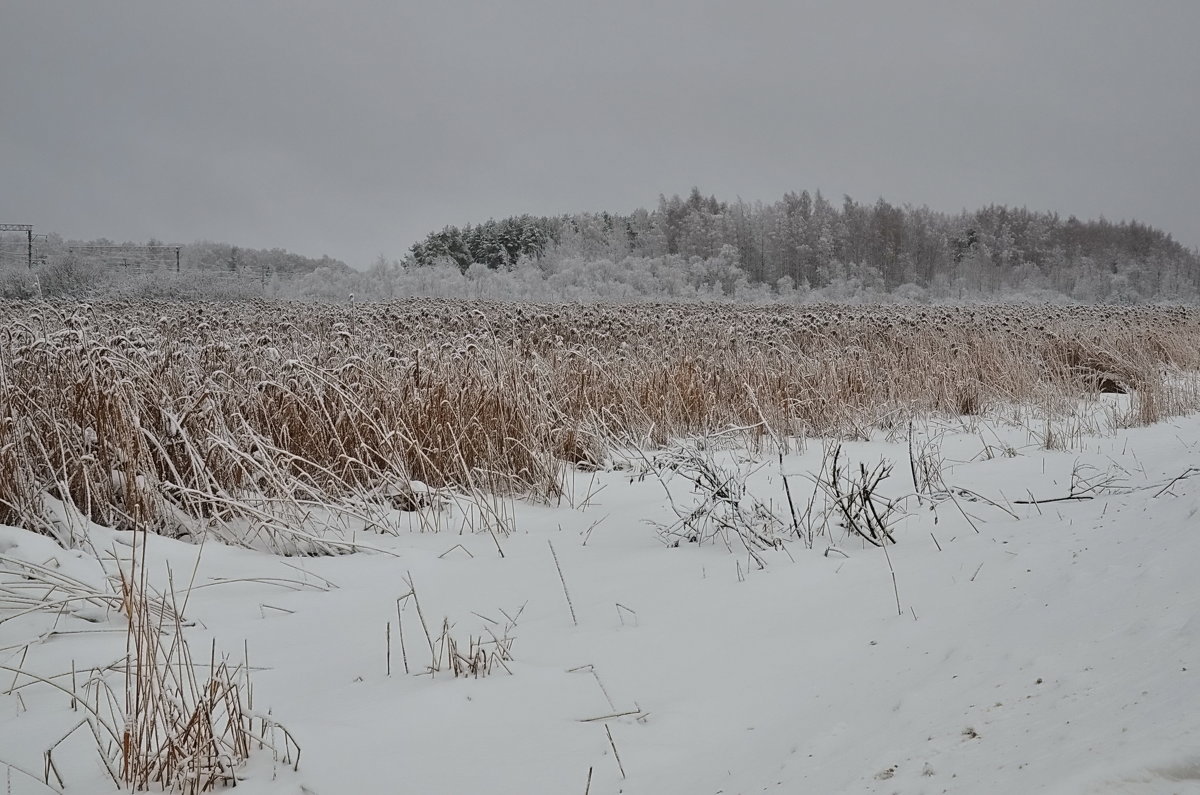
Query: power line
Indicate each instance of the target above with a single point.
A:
(128, 247)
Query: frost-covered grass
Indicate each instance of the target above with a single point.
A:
(262, 423)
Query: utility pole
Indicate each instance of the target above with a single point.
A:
(28, 230)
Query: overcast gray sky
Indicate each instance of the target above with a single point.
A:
(352, 128)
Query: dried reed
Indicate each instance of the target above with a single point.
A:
(257, 422)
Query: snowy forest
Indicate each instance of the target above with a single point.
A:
(805, 243)
(800, 248)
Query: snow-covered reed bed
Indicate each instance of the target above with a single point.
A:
(256, 421)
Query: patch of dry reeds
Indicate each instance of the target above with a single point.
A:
(187, 726)
(172, 723)
(246, 420)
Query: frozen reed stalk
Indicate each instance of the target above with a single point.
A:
(592, 670)
(637, 711)
(787, 490)
(912, 464)
(616, 753)
(563, 580)
(412, 592)
(400, 632)
(977, 570)
(895, 587)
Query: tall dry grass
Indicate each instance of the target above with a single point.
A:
(161, 720)
(245, 418)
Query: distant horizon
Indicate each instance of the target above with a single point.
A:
(38, 230)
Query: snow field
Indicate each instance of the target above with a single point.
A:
(1052, 652)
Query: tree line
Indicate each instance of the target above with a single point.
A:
(804, 241)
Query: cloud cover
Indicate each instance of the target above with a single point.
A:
(353, 128)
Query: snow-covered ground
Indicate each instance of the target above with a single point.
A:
(1036, 648)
